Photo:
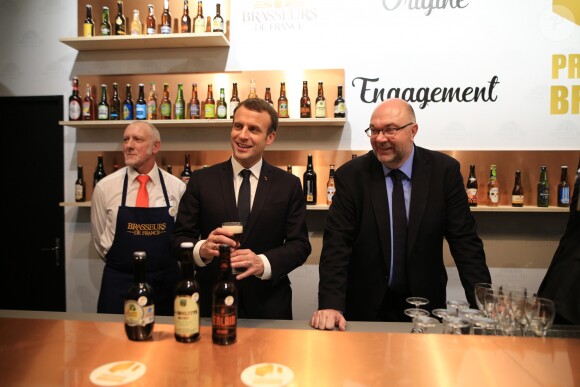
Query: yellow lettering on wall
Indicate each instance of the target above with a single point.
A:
(560, 62)
(563, 101)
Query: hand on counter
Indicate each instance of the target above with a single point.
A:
(328, 319)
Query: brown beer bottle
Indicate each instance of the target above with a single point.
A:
(80, 186)
(472, 187)
(330, 188)
(89, 24)
(194, 103)
(186, 304)
(209, 108)
(283, 102)
(493, 187)
(186, 173)
(235, 100)
(268, 96)
(165, 105)
(89, 105)
(115, 105)
(151, 22)
(152, 102)
(139, 305)
(224, 315)
(120, 20)
(128, 105)
(309, 182)
(305, 109)
(320, 103)
(185, 19)
(339, 105)
(99, 171)
(75, 102)
(518, 191)
(166, 18)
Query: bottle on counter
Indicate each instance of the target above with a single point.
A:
(89, 105)
(128, 105)
(330, 187)
(218, 20)
(564, 188)
(320, 103)
(152, 102)
(166, 18)
(141, 104)
(115, 105)
(120, 20)
(471, 187)
(283, 102)
(305, 109)
(235, 100)
(209, 107)
(268, 96)
(99, 171)
(199, 20)
(493, 187)
(151, 22)
(186, 304)
(105, 22)
(139, 305)
(339, 105)
(309, 182)
(543, 188)
(103, 106)
(136, 25)
(89, 24)
(224, 316)
(518, 191)
(179, 104)
(75, 102)
(185, 18)
(186, 173)
(194, 112)
(222, 106)
(80, 186)
(165, 105)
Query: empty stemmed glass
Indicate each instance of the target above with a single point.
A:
(417, 301)
(456, 305)
(480, 289)
(487, 325)
(422, 323)
(456, 325)
(470, 315)
(541, 316)
(416, 311)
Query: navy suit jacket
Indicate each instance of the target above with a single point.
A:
(355, 259)
(276, 227)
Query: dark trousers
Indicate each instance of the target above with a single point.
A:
(393, 307)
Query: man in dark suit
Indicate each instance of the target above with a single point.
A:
(358, 270)
(275, 239)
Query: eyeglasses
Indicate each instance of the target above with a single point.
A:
(387, 132)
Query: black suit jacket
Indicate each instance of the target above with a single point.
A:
(355, 259)
(276, 227)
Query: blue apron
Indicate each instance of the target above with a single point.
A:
(140, 229)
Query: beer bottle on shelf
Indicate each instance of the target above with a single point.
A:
(185, 18)
(105, 23)
(89, 24)
(194, 103)
(252, 89)
(128, 106)
(339, 105)
(186, 173)
(224, 313)
(354, 156)
(75, 102)
(543, 188)
(115, 105)
(320, 103)
(165, 18)
(103, 107)
(208, 24)
(179, 103)
(89, 105)
(235, 100)
(136, 26)
(218, 20)
(99, 171)
(564, 188)
(305, 109)
(330, 188)
(472, 187)
(199, 21)
(268, 96)
(151, 22)
(165, 105)
(289, 168)
(169, 169)
(518, 191)
(309, 182)
(120, 21)
(139, 306)
(283, 102)
(222, 106)
(186, 304)
(152, 102)
(141, 104)
(493, 187)
(209, 108)
(80, 186)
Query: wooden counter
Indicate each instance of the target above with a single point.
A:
(46, 350)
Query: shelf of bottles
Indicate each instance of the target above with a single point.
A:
(136, 42)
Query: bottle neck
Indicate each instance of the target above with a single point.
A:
(139, 271)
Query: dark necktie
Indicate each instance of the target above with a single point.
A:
(244, 197)
(399, 280)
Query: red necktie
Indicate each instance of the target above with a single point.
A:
(142, 195)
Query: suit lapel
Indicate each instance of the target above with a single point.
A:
(379, 201)
(226, 179)
(419, 195)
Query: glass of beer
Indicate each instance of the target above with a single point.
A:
(238, 229)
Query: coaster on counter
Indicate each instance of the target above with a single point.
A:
(117, 373)
(267, 374)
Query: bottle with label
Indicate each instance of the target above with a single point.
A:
(186, 304)
(186, 173)
(141, 104)
(283, 102)
(185, 18)
(105, 22)
(518, 191)
(224, 314)
(330, 188)
(493, 187)
(136, 25)
(199, 21)
(209, 108)
(99, 171)
(89, 24)
(235, 100)
(103, 106)
(166, 18)
(564, 188)
(179, 103)
(75, 102)
(120, 21)
(543, 188)
(305, 109)
(320, 103)
(268, 96)
(309, 182)
(80, 186)
(151, 22)
(194, 103)
(165, 105)
(128, 105)
(471, 187)
(222, 106)
(152, 102)
(115, 105)
(339, 105)
(218, 20)
(89, 105)
(252, 93)
(139, 306)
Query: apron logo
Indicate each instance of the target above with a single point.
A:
(146, 229)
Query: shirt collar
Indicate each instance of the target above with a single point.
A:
(256, 168)
(154, 177)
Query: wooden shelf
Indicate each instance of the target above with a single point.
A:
(137, 42)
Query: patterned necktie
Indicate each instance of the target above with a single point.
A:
(244, 197)
(398, 276)
(142, 194)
